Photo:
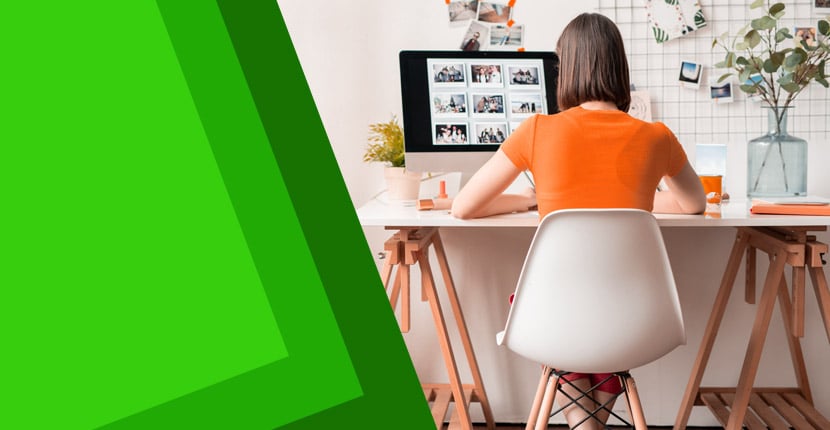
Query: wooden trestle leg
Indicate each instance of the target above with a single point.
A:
(793, 407)
(411, 246)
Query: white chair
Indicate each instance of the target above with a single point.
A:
(596, 295)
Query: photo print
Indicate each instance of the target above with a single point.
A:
(821, 7)
(451, 74)
(805, 34)
(490, 133)
(721, 92)
(504, 38)
(525, 104)
(524, 76)
(494, 13)
(449, 104)
(476, 36)
(451, 134)
(756, 81)
(486, 75)
(488, 105)
(690, 74)
(462, 11)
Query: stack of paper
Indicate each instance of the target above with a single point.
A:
(806, 205)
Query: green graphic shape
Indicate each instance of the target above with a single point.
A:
(392, 396)
(138, 276)
(159, 257)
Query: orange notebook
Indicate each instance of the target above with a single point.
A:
(795, 206)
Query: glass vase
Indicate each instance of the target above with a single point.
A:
(777, 161)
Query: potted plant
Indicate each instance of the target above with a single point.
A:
(386, 146)
(774, 65)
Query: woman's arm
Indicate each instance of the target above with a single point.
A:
(684, 196)
(482, 195)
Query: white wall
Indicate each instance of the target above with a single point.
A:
(348, 51)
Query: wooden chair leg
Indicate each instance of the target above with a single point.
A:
(537, 400)
(634, 405)
(547, 405)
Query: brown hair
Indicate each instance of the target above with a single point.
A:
(592, 63)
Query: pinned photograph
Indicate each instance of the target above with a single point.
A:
(488, 105)
(757, 82)
(462, 10)
(690, 74)
(806, 35)
(721, 92)
(451, 74)
(821, 7)
(490, 132)
(640, 106)
(449, 105)
(486, 75)
(494, 13)
(475, 37)
(504, 38)
(451, 134)
(523, 76)
(525, 104)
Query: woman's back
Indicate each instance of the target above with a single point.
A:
(583, 158)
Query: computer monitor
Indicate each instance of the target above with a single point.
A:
(459, 106)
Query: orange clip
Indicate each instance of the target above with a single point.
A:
(522, 49)
(511, 3)
(510, 23)
(447, 1)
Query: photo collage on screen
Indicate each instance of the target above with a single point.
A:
(480, 102)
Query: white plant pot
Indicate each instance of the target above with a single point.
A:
(402, 184)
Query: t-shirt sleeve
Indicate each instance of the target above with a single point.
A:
(519, 145)
(677, 155)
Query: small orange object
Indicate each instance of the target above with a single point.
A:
(442, 190)
(522, 49)
(510, 23)
(511, 3)
(712, 186)
(447, 1)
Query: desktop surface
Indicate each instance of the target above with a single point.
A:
(381, 212)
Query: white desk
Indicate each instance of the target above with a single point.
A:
(380, 213)
(787, 239)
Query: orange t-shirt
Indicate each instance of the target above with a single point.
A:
(584, 158)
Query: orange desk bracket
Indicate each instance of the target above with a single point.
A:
(404, 249)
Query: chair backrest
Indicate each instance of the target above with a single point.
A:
(596, 293)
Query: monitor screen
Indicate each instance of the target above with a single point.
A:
(458, 106)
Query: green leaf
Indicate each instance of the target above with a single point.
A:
(763, 23)
(749, 89)
(794, 59)
(791, 88)
(824, 27)
(777, 58)
(756, 4)
(752, 38)
(741, 46)
(782, 34)
(723, 77)
(822, 81)
(770, 66)
(730, 59)
(777, 10)
(744, 75)
(721, 65)
(741, 61)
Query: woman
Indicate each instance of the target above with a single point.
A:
(590, 155)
